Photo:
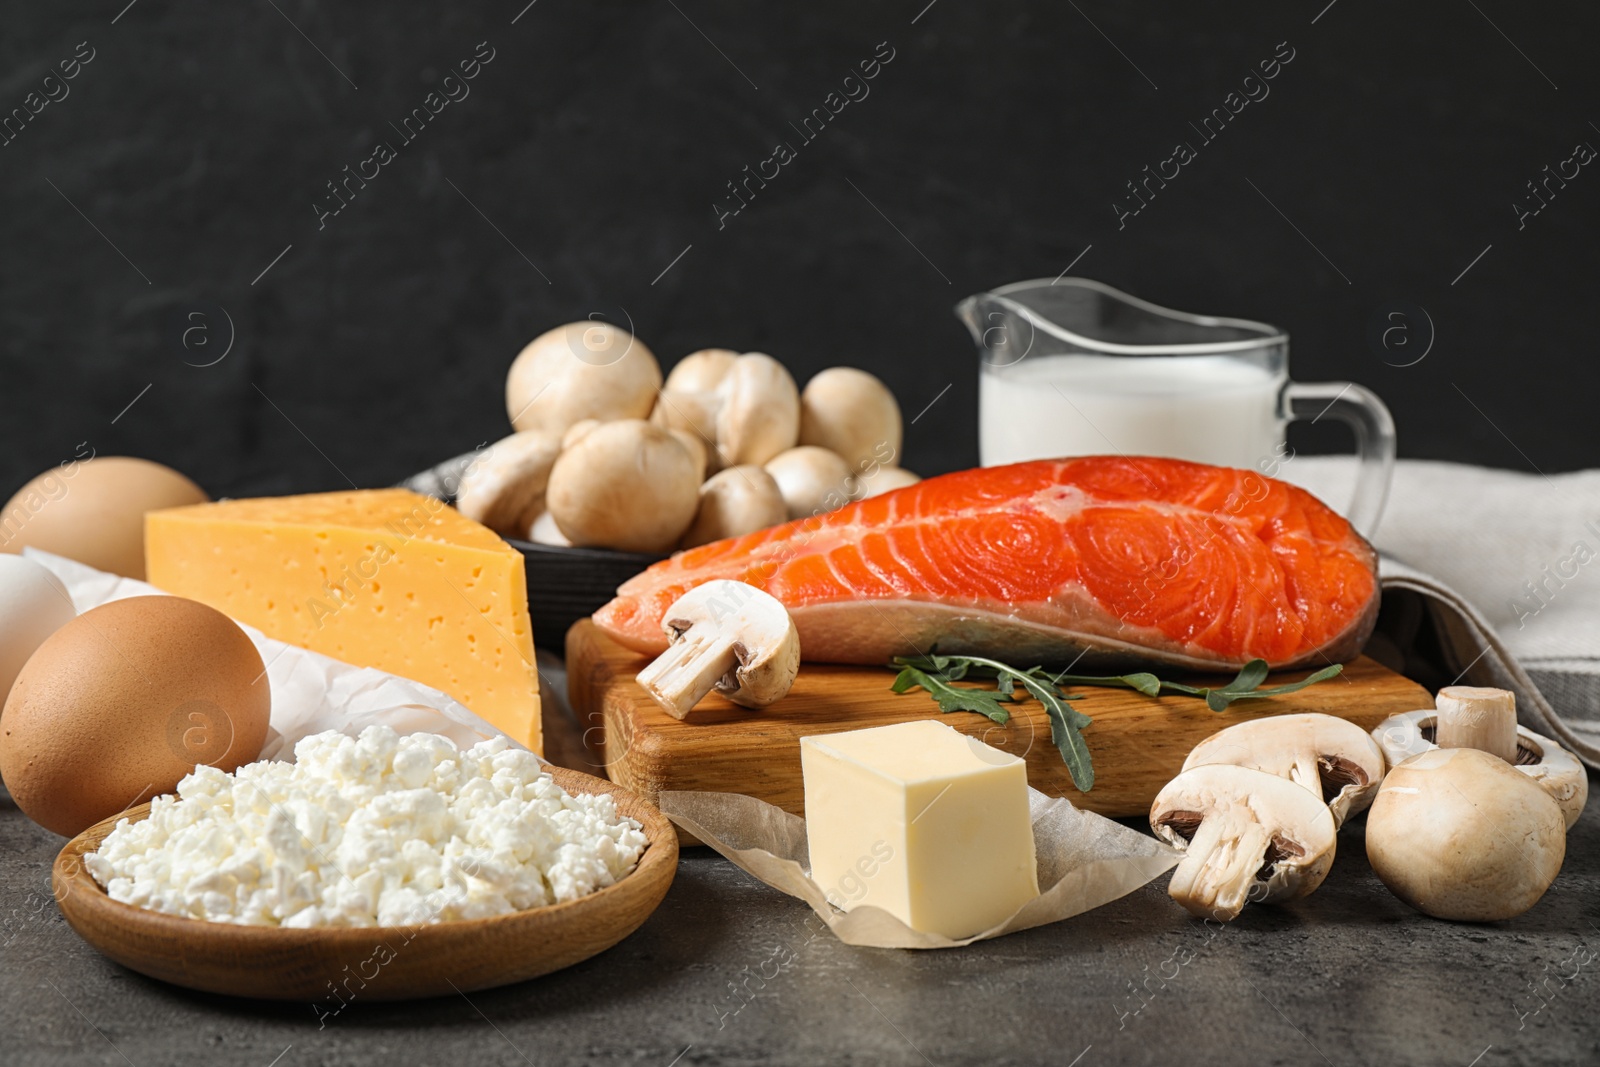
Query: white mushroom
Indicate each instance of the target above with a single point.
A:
(726, 636)
(697, 449)
(849, 411)
(1332, 757)
(1556, 770)
(576, 431)
(883, 480)
(700, 372)
(625, 485)
(544, 531)
(583, 370)
(1457, 834)
(1246, 835)
(759, 411)
(503, 488)
(734, 502)
(691, 413)
(812, 480)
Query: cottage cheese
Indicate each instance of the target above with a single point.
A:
(380, 830)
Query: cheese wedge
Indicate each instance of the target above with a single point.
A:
(381, 578)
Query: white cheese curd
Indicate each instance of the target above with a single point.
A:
(380, 830)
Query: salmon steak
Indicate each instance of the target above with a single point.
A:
(1106, 561)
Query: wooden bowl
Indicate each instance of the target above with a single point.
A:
(338, 964)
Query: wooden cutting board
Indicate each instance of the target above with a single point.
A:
(1138, 743)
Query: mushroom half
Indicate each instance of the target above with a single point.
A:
(1556, 770)
(1246, 835)
(727, 636)
(1332, 757)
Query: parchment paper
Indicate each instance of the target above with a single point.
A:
(310, 692)
(1085, 860)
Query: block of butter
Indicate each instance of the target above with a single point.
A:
(922, 821)
(381, 578)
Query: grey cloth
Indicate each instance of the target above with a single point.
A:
(1490, 577)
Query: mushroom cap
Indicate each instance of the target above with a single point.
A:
(883, 480)
(1458, 834)
(812, 480)
(728, 636)
(1332, 757)
(1556, 770)
(759, 414)
(626, 485)
(583, 370)
(544, 531)
(765, 641)
(691, 413)
(503, 488)
(733, 502)
(697, 449)
(576, 431)
(1246, 834)
(702, 371)
(851, 412)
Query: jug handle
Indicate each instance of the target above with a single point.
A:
(1365, 414)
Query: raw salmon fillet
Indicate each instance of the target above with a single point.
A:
(1115, 560)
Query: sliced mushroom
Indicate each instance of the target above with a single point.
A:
(1246, 835)
(726, 636)
(759, 412)
(1457, 834)
(812, 480)
(583, 370)
(1556, 770)
(1332, 757)
(625, 485)
(883, 480)
(734, 502)
(504, 487)
(852, 413)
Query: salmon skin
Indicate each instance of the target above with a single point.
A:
(1106, 561)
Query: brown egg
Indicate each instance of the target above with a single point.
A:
(92, 510)
(122, 702)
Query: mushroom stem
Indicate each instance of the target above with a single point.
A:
(1219, 868)
(681, 676)
(1306, 771)
(1472, 717)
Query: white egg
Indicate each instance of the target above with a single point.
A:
(33, 605)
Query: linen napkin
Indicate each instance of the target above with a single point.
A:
(1490, 577)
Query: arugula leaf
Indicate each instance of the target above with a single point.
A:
(936, 673)
(950, 697)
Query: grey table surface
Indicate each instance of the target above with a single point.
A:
(729, 971)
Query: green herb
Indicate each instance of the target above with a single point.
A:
(937, 674)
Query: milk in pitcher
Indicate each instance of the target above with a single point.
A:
(1210, 408)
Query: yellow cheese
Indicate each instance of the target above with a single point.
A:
(924, 822)
(381, 578)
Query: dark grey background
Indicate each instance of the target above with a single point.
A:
(591, 150)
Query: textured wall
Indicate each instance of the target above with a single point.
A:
(595, 146)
